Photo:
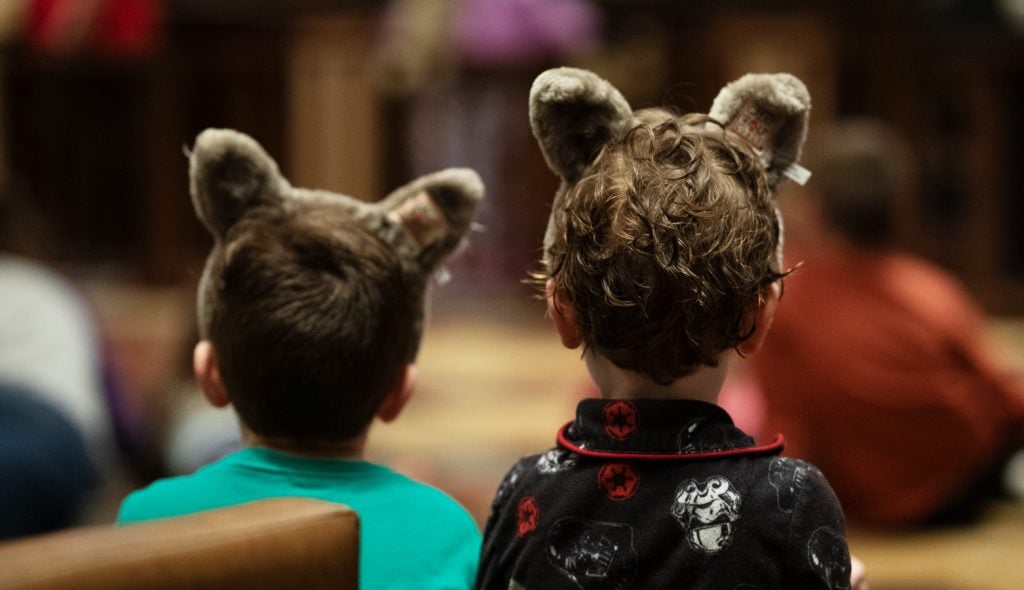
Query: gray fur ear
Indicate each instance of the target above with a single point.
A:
(229, 174)
(426, 219)
(573, 113)
(423, 221)
(771, 112)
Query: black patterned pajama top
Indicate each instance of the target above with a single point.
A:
(662, 494)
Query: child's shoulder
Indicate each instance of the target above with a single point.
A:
(163, 498)
(395, 485)
(795, 481)
(784, 482)
(177, 495)
(540, 470)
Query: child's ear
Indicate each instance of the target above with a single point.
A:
(207, 371)
(229, 174)
(563, 313)
(759, 319)
(396, 399)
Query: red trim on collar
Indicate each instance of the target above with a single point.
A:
(773, 447)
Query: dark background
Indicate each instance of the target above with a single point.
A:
(94, 139)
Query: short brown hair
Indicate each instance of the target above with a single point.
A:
(312, 318)
(664, 242)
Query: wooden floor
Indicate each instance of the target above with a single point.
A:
(495, 384)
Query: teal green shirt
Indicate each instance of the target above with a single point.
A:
(411, 535)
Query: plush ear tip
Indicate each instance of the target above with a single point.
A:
(211, 137)
(465, 181)
(572, 86)
(561, 84)
(782, 92)
(229, 172)
(458, 191)
(791, 86)
(211, 144)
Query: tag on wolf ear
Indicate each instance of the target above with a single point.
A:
(421, 218)
(770, 111)
(756, 124)
(759, 126)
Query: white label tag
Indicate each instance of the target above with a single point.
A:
(797, 174)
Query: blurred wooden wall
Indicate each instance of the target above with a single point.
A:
(97, 144)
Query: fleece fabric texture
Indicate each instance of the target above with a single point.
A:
(662, 494)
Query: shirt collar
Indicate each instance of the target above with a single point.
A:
(656, 429)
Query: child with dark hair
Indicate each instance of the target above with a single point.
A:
(310, 317)
(662, 259)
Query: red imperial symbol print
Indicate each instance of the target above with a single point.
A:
(618, 480)
(620, 419)
(527, 515)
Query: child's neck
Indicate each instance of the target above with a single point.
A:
(704, 384)
(352, 448)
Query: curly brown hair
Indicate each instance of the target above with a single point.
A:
(313, 318)
(666, 240)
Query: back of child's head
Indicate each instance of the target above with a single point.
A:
(665, 231)
(314, 301)
(862, 174)
(666, 240)
(312, 319)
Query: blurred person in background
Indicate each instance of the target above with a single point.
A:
(64, 421)
(46, 475)
(463, 66)
(56, 433)
(195, 433)
(49, 391)
(877, 368)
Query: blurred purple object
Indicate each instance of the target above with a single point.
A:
(509, 32)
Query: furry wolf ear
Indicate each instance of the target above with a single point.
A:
(771, 112)
(573, 113)
(427, 218)
(230, 174)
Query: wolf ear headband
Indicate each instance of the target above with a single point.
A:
(574, 113)
(231, 175)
